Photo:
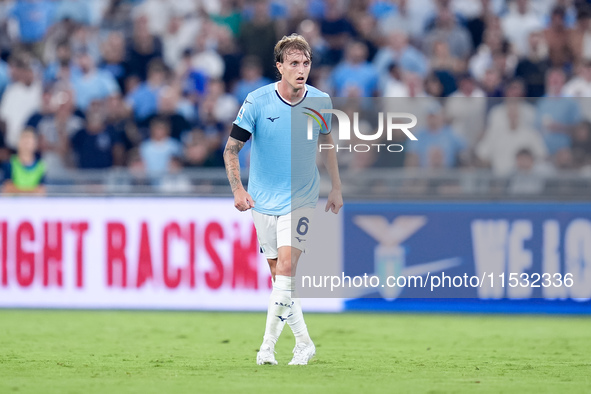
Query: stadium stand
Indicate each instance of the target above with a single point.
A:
(138, 96)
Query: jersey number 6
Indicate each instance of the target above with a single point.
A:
(302, 228)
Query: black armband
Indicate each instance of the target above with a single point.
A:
(239, 133)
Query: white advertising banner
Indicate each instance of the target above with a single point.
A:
(132, 253)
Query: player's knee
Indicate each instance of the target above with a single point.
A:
(284, 262)
(284, 266)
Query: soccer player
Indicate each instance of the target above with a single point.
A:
(282, 222)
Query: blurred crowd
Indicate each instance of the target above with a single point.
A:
(153, 85)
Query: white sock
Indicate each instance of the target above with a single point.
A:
(297, 323)
(280, 307)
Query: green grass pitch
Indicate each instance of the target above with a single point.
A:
(197, 352)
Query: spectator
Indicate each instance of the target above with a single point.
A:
(402, 18)
(556, 115)
(113, 58)
(532, 69)
(63, 69)
(570, 11)
(518, 24)
(205, 59)
(580, 37)
(136, 168)
(175, 181)
(498, 117)
(168, 111)
(448, 30)
(581, 145)
(355, 77)
(213, 132)
(505, 62)
(500, 144)
(557, 37)
(412, 87)
(365, 31)
(116, 16)
(466, 109)
(477, 25)
(355, 162)
(92, 84)
(493, 53)
(194, 81)
(178, 36)
(443, 61)
(492, 84)
(159, 12)
(399, 51)
(251, 78)
(482, 59)
(439, 146)
(5, 152)
(310, 30)
(258, 38)
(467, 88)
(435, 87)
(5, 22)
(60, 32)
(119, 121)
(55, 124)
(391, 84)
(231, 56)
(85, 39)
(336, 30)
(96, 146)
(25, 172)
(226, 105)
(579, 86)
(34, 18)
(21, 98)
(75, 10)
(159, 149)
(528, 177)
(228, 15)
(563, 160)
(198, 151)
(4, 77)
(439, 7)
(144, 47)
(144, 100)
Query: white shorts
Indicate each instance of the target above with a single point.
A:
(274, 232)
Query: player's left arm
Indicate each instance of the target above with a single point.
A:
(329, 158)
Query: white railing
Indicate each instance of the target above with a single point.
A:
(368, 184)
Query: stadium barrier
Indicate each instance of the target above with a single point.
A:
(481, 257)
(179, 253)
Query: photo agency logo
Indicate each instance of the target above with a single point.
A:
(393, 120)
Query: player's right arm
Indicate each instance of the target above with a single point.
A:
(242, 129)
(242, 200)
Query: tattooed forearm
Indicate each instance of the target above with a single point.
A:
(232, 164)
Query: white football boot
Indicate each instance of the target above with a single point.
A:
(266, 355)
(302, 353)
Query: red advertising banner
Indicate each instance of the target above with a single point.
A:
(132, 253)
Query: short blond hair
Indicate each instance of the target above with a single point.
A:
(294, 42)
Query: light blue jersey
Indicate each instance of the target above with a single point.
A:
(283, 174)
